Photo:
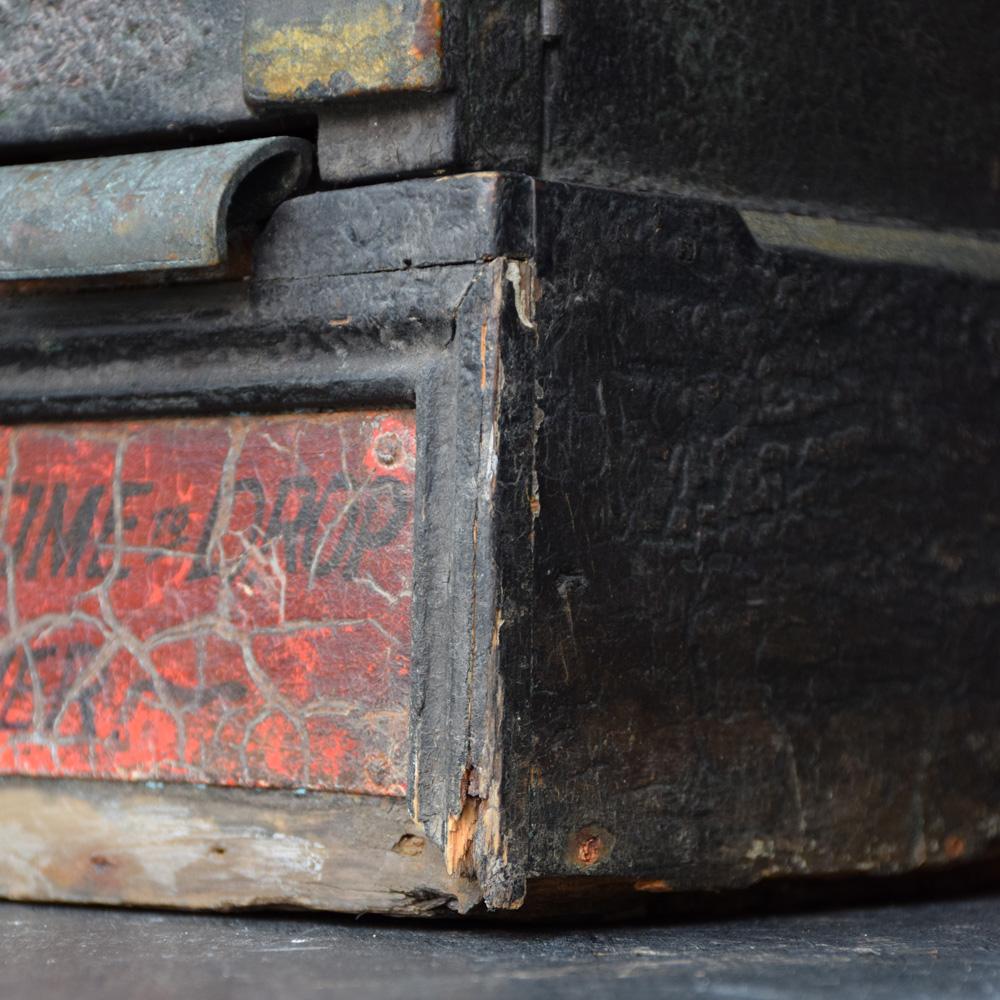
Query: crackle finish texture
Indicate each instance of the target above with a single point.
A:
(766, 612)
(867, 109)
(884, 108)
(222, 601)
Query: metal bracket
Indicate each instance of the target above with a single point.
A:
(164, 211)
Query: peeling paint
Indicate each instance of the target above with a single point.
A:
(521, 274)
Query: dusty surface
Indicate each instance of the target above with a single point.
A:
(931, 950)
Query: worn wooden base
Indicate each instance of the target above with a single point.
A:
(196, 847)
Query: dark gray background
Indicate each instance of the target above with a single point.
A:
(944, 949)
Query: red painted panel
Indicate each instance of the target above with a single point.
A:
(209, 600)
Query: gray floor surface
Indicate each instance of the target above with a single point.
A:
(944, 949)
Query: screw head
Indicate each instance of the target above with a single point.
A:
(588, 846)
(388, 449)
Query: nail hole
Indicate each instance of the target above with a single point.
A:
(410, 845)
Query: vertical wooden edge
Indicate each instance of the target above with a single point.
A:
(478, 838)
(194, 847)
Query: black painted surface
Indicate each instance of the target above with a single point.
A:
(883, 108)
(766, 616)
(407, 224)
(931, 950)
(87, 71)
(500, 97)
(490, 117)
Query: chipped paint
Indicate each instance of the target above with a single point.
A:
(461, 833)
(346, 49)
(521, 274)
(653, 885)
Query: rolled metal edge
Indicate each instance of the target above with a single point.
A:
(160, 211)
(969, 254)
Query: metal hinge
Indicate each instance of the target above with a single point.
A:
(174, 210)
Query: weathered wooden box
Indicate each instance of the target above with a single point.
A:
(495, 535)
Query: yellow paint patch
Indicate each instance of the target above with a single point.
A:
(377, 50)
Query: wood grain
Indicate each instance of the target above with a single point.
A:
(201, 848)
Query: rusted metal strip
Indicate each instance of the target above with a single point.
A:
(168, 210)
(310, 51)
(962, 253)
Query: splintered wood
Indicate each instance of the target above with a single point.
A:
(222, 601)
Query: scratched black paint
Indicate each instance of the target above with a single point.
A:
(765, 620)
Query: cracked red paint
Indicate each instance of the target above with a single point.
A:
(209, 600)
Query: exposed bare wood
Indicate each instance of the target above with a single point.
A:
(213, 848)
